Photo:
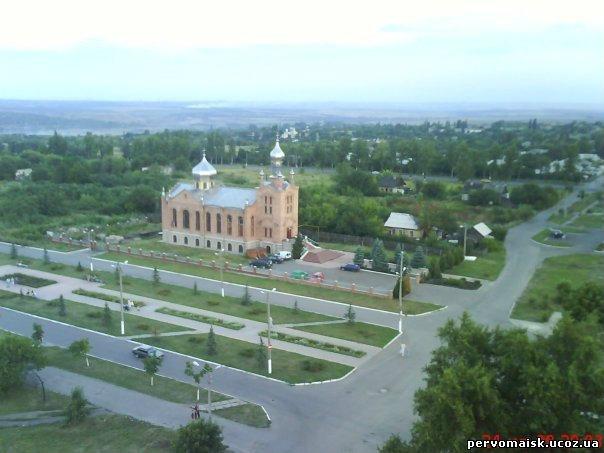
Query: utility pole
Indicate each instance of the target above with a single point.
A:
(122, 327)
(269, 346)
(400, 295)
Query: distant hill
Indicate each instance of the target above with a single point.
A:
(79, 117)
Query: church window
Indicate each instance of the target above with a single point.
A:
(197, 221)
(252, 226)
(229, 224)
(218, 223)
(185, 219)
(174, 238)
(197, 242)
(186, 240)
(230, 248)
(219, 245)
(208, 222)
(241, 249)
(174, 218)
(240, 226)
(208, 244)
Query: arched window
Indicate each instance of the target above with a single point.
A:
(241, 249)
(186, 240)
(174, 218)
(197, 221)
(174, 238)
(252, 226)
(208, 222)
(240, 226)
(208, 244)
(218, 223)
(229, 225)
(219, 245)
(230, 248)
(185, 219)
(197, 242)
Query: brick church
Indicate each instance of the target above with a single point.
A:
(250, 221)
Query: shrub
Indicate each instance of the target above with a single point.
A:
(163, 292)
(77, 409)
(499, 232)
(247, 352)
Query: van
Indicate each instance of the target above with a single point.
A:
(284, 255)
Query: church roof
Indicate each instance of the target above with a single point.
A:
(277, 152)
(224, 197)
(204, 168)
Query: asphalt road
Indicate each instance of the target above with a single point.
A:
(358, 413)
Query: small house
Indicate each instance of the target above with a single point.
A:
(479, 232)
(391, 184)
(402, 224)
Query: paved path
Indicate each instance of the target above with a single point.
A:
(358, 413)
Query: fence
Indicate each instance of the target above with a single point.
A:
(240, 269)
(409, 244)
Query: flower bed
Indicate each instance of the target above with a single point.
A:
(314, 344)
(201, 318)
(104, 296)
(29, 280)
(460, 283)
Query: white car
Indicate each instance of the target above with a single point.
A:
(284, 255)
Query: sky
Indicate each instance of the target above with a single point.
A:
(382, 51)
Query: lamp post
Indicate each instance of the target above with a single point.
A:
(269, 321)
(400, 295)
(119, 273)
(465, 233)
(221, 270)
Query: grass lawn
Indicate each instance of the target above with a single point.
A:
(202, 318)
(287, 366)
(536, 302)
(155, 245)
(29, 280)
(589, 221)
(268, 283)
(543, 237)
(103, 434)
(359, 332)
(487, 267)
(313, 343)
(214, 302)
(85, 316)
(28, 399)
(248, 414)
(344, 247)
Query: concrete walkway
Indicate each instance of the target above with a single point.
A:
(250, 333)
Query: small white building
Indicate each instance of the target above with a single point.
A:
(480, 231)
(403, 224)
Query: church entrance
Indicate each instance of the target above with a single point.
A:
(268, 249)
(289, 233)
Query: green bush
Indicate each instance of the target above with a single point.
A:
(313, 366)
(248, 352)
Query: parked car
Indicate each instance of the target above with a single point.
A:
(143, 351)
(299, 275)
(557, 234)
(350, 267)
(284, 255)
(262, 262)
(276, 258)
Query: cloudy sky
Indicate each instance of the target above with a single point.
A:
(486, 51)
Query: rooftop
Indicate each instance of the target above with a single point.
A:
(224, 197)
(401, 220)
(203, 168)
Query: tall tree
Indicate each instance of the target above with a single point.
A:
(77, 409)
(38, 334)
(197, 373)
(152, 365)
(359, 257)
(17, 354)
(81, 348)
(211, 346)
(200, 436)
(297, 247)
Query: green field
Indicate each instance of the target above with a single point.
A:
(536, 302)
(86, 316)
(589, 221)
(487, 267)
(201, 318)
(287, 366)
(359, 332)
(248, 414)
(543, 237)
(27, 399)
(311, 343)
(361, 300)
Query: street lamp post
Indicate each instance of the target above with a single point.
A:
(400, 295)
(269, 321)
(465, 233)
(119, 273)
(221, 271)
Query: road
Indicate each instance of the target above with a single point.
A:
(358, 413)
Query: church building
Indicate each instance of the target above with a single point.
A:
(250, 221)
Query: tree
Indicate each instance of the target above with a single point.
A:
(475, 384)
(156, 277)
(18, 354)
(62, 307)
(359, 257)
(406, 287)
(246, 299)
(298, 247)
(394, 444)
(378, 255)
(81, 348)
(419, 259)
(13, 252)
(200, 436)
(434, 268)
(197, 375)
(152, 364)
(77, 409)
(38, 334)
(211, 346)
(195, 291)
(46, 259)
(350, 315)
(106, 315)
(261, 354)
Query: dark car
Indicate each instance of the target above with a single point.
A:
(351, 267)
(262, 262)
(276, 258)
(144, 351)
(557, 234)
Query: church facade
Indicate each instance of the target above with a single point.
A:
(250, 221)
